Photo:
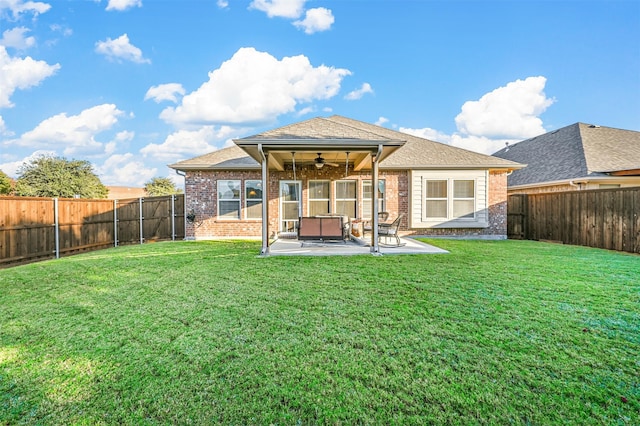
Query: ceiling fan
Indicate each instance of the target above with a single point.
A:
(319, 162)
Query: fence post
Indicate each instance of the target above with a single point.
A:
(141, 229)
(173, 217)
(57, 227)
(115, 223)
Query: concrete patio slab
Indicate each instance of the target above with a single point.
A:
(286, 247)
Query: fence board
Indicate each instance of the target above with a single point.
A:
(27, 225)
(603, 218)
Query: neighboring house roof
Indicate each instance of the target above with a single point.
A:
(123, 192)
(573, 152)
(415, 152)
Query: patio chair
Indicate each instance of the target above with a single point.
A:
(382, 218)
(390, 230)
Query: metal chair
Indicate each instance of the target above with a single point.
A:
(389, 230)
(367, 226)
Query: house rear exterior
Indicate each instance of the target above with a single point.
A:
(331, 166)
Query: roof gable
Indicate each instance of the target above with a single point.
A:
(318, 128)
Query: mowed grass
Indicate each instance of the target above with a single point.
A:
(207, 333)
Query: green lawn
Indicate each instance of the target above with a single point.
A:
(200, 333)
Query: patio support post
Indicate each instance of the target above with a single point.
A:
(374, 199)
(265, 202)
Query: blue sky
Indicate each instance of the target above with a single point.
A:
(134, 85)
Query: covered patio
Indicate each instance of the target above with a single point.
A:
(291, 147)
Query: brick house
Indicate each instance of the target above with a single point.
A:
(331, 166)
(576, 157)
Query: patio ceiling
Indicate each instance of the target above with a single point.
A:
(282, 152)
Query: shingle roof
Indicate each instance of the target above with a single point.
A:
(576, 151)
(232, 157)
(320, 128)
(416, 153)
(423, 153)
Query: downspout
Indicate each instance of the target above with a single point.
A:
(184, 207)
(265, 202)
(375, 249)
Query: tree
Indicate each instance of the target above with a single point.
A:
(5, 183)
(159, 186)
(58, 177)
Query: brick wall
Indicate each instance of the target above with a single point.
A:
(201, 198)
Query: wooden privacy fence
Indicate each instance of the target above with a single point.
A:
(602, 218)
(42, 228)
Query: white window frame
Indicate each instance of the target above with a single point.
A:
(450, 199)
(238, 184)
(354, 182)
(427, 199)
(282, 225)
(257, 183)
(382, 200)
(454, 199)
(310, 197)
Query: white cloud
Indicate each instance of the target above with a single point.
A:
(507, 114)
(427, 133)
(76, 133)
(20, 73)
(3, 127)
(17, 7)
(16, 38)
(65, 31)
(121, 5)
(121, 137)
(254, 87)
(123, 169)
(306, 110)
(222, 4)
(381, 121)
(279, 8)
(11, 168)
(165, 92)
(359, 93)
(185, 143)
(315, 20)
(121, 49)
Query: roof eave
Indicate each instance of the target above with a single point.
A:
(455, 167)
(252, 145)
(212, 167)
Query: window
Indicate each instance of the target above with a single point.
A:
(229, 199)
(367, 195)
(318, 197)
(436, 195)
(464, 199)
(253, 199)
(289, 205)
(346, 201)
(449, 199)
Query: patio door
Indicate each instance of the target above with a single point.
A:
(290, 205)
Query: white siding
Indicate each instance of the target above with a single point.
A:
(417, 198)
